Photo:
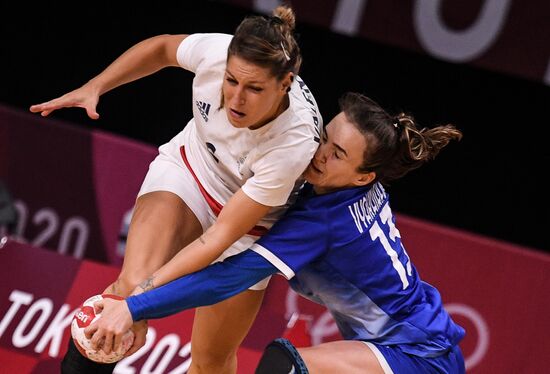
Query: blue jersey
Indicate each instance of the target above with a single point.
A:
(342, 250)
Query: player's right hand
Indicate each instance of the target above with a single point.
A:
(83, 97)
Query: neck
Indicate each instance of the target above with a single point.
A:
(283, 105)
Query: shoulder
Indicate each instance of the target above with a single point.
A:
(302, 92)
(303, 106)
(356, 208)
(307, 215)
(197, 47)
(207, 38)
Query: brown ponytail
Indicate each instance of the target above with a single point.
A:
(396, 145)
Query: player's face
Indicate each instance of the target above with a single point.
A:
(335, 163)
(252, 97)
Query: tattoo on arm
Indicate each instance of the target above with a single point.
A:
(147, 284)
(113, 289)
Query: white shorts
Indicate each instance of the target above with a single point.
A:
(168, 172)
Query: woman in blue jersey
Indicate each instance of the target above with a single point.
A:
(338, 246)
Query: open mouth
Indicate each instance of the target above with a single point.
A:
(236, 113)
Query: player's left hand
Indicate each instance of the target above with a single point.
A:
(140, 333)
(106, 333)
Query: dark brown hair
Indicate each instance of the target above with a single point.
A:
(268, 42)
(395, 144)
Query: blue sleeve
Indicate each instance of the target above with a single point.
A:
(296, 240)
(214, 283)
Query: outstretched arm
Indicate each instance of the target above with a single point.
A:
(144, 58)
(238, 217)
(213, 284)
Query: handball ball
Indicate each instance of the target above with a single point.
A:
(84, 317)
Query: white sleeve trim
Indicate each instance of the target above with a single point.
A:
(275, 261)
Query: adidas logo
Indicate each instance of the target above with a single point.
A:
(204, 108)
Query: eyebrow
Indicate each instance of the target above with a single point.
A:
(340, 149)
(251, 82)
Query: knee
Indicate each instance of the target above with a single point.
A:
(154, 205)
(281, 357)
(125, 284)
(162, 219)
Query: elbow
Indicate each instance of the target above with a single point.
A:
(220, 237)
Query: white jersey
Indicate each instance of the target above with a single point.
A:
(266, 163)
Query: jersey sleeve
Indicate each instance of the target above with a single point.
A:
(213, 284)
(197, 49)
(297, 239)
(277, 171)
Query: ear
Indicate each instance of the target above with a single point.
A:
(287, 81)
(365, 179)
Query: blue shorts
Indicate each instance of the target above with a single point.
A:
(394, 360)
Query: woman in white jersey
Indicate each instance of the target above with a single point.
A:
(255, 127)
(339, 246)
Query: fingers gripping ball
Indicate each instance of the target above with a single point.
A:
(84, 317)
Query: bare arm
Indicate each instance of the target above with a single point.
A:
(144, 58)
(238, 217)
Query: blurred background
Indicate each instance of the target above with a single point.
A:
(474, 219)
(481, 65)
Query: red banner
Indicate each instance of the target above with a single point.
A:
(40, 293)
(501, 35)
(73, 188)
(496, 291)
